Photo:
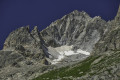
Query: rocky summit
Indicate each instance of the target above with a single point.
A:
(75, 47)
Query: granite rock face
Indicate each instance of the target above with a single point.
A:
(29, 44)
(24, 37)
(27, 53)
(77, 29)
(104, 62)
(24, 54)
(111, 40)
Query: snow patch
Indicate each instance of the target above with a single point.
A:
(83, 52)
(64, 51)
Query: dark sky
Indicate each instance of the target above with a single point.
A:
(17, 13)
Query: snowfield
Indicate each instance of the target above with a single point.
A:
(63, 51)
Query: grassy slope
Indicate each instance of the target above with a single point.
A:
(74, 71)
(83, 68)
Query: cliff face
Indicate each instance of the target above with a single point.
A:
(66, 41)
(77, 29)
(104, 62)
(110, 41)
(29, 44)
(23, 37)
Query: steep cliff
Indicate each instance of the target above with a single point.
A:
(64, 42)
(77, 29)
(111, 40)
(104, 62)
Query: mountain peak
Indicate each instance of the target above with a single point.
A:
(75, 11)
(66, 41)
(35, 29)
(117, 18)
(78, 12)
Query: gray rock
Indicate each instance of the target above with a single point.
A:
(76, 28)
(25, 54)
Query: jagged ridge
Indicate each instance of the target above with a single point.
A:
(76, 29)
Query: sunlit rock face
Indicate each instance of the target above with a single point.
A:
(66, 41)
(111, 40)
(29, 44)
(77, 29)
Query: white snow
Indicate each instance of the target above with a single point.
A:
(66, 51)
(83, 52)
(60, 57)
(69, 53)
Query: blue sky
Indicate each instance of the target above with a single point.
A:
(17, 13)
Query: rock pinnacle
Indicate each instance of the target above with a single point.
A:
(117, 18)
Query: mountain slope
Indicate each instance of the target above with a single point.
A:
(77, 29)
(103, 64)
(66, 42)
(101, 67)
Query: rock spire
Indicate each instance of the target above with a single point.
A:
(117, 18)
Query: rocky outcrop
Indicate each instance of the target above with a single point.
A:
(110, 41)
(26, 53)
(104, 62)
(117, 18)
(29, 44)
(23, 55)
(76, 28)
(24, 37)
(99, 67)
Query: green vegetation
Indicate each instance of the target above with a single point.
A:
(88, 66)
(74, 71)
